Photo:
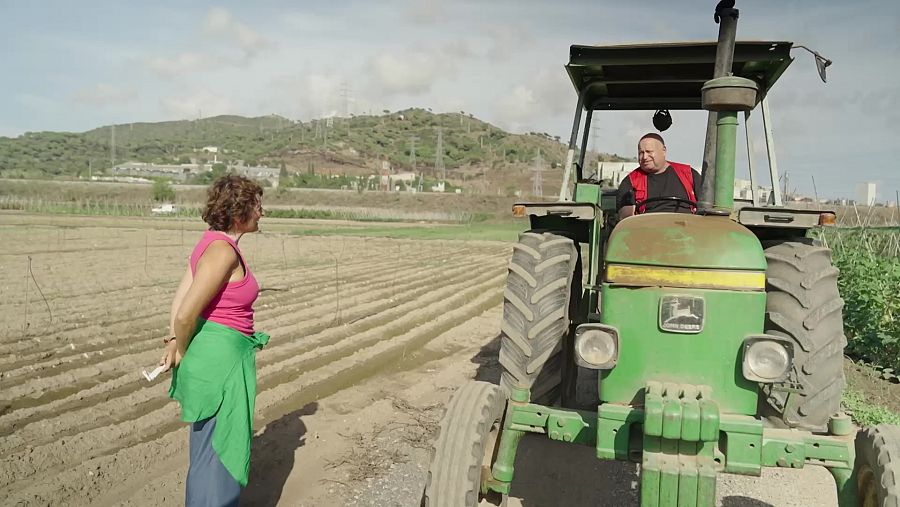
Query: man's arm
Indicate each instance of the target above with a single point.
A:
(625, 199)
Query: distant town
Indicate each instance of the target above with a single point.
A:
(611, 173)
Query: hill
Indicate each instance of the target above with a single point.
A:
(475, 153)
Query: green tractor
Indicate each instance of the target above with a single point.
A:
(716, 337)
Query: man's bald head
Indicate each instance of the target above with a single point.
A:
(652, 153)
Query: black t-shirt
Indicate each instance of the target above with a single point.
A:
(664, 184)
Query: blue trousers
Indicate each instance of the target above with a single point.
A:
(209, 484)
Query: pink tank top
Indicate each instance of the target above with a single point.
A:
(233, 305)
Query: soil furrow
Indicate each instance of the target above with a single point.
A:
(18, 388)
(346, 339)
(344, 371)
(29, 365)
(163, 289)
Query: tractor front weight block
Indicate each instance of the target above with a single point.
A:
(682, 442)
(681, 433)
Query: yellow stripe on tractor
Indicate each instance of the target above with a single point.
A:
(654, 276)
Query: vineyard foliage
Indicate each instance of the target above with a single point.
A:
(870, 285)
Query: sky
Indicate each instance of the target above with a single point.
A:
(75, 66)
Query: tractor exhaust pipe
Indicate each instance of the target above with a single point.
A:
(727, 17)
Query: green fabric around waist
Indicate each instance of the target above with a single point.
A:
(217, 377)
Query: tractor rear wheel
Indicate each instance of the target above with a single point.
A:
(543, 288)
(466, 447)
(803, 305)
(878, 466)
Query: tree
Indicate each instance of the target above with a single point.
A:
(163, 191)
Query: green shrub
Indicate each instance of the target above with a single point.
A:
(868, 282)
(866, 413)
(163, 191)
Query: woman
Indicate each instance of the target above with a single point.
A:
(212, 348)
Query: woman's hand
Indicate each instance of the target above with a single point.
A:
(170, 356)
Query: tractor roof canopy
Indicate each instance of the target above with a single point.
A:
(666, 76)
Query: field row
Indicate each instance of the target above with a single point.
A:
(76, 418)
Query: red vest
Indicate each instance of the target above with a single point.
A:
(639, 183)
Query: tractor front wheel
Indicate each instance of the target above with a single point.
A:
(803, 305)
(878, 466)
(543, 288)
(466, 447)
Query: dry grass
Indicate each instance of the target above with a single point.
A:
(373, 453)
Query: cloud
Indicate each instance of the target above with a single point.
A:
(225, 42)
(546, 94)
(181, 64)
(311, 95)
(412, 73)
(103, 95)
(196, 103)
(457, 50)
(519, 105)
(508, 40)
(425, 11)
(221, 24)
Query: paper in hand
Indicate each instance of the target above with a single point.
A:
(153, 374)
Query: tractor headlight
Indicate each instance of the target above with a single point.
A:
(767, 358)
(596, 346)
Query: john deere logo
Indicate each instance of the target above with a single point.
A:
(681, 314)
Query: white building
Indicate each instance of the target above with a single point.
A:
(742, 189)
(182, 172)
(270, 174)
(865, 194)
(146, 170)
(614, 172)
(393, 181)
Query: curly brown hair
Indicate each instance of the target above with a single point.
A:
(231, 199)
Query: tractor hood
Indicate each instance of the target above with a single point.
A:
(681, 240)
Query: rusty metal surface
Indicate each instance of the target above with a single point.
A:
(682, 240)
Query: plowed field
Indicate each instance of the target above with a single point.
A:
(77, 420)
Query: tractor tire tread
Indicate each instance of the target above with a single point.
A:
(536, 309)
(879, 448)
(804, 306)
(455, 472)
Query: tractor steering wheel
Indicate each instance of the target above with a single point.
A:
(678, 200)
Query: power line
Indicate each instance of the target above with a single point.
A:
(345, 99)
(439, 161)
(112, 146)
(538, 187)
(412, 152)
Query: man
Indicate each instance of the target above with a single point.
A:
(657, 177)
